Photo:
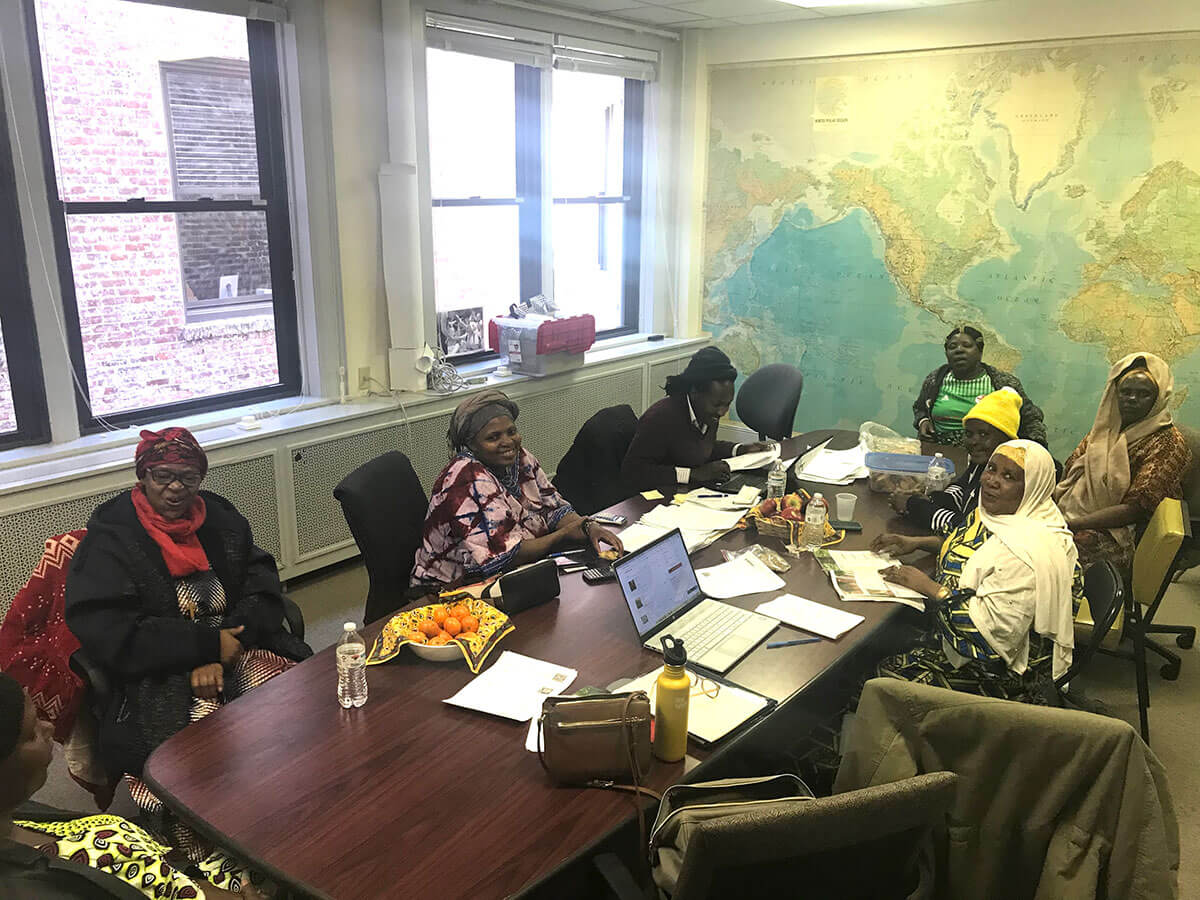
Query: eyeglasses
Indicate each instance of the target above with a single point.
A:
(164, 477)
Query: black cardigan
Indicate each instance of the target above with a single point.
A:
(122, 606)
(1033, 425)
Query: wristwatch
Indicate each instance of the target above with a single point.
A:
(586, 526)
(944, 594)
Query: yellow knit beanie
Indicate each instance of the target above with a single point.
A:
(1001, 409)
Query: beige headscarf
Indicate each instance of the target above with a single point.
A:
(1100, 476)
(1037, 534)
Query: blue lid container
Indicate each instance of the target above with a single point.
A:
(903, 463)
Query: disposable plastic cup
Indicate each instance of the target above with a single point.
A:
(845, 507)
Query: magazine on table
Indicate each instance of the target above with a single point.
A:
(856, 576)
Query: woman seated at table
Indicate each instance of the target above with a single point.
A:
(493, 508)
(950, 391)
(1005, 589)
(676, 438)
(169, 594)
(1131, 460)
(46, 854)
(992, 421)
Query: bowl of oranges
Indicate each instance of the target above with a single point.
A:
(435, 634)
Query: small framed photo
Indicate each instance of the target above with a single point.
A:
(227, 289)
(460, 331)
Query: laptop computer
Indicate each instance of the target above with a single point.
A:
(663, 596)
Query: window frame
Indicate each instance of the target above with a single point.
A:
(20, 341)
(270, 136)
(533, 86)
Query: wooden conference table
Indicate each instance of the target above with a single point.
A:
(411, 797)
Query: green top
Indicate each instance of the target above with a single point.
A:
(955, 399)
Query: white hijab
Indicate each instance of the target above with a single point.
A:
(1037, 534)
(1100, 476)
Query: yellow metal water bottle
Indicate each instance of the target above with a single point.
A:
(671, 703)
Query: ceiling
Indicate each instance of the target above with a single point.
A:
(678, 14)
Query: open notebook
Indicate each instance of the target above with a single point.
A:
(715, 709)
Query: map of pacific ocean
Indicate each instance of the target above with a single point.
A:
(857, 209)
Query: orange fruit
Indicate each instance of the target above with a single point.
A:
(452, 626)
(429, 627)
(439, 614)
(458, 611)
(469, 623)
(414, 636)
(439, 640)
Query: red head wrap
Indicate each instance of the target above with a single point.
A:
(175, 446)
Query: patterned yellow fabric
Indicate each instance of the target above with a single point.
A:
(493, 626)
(117, 846)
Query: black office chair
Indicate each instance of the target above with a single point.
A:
(861, 844)
(385, 505)
(589, 476)
(768, 399)
(1105, 591)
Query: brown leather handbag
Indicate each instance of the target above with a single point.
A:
(596, 740)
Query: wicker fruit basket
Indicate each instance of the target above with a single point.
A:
(784, 519)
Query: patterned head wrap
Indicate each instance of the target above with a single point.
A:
(473, 413)
(175, 446)
(12, 714)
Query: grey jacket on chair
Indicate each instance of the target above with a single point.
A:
(1052, 804)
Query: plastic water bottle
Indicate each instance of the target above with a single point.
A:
(351, 668)
(814, 522)
(937, 476)
(777, 481)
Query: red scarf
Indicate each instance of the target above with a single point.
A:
(176, 538)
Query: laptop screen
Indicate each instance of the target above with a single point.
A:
(657, 581)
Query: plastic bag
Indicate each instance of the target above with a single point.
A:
(876, 438)
(772, 560)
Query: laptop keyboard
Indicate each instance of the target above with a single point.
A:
(709, 631)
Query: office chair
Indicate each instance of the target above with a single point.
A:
(1154, 564)
(589, 476)
(384, 505)
(814, 849)
(768, 399)
(1104, 589)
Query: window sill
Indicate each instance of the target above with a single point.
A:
(25, 468)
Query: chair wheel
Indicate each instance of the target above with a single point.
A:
(1186, 640)
(1170, 671)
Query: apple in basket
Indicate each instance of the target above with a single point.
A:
(793, 514)
(793, 501)
(768, 507)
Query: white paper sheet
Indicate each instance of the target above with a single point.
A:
(748, 461)
(639, 534)
(514, 687)
(736, 578)
(692, 517)
(714, 709)
(742, 500)
(809, 616)
(834, 466)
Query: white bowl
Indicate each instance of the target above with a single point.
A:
(443, 653)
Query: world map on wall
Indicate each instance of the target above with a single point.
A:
(857, 209)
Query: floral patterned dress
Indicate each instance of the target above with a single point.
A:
(478, 516)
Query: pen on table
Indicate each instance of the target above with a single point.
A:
(812, 640)
(714, 496)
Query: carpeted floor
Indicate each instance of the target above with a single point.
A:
(337, 595)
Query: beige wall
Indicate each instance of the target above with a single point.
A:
(358, 112)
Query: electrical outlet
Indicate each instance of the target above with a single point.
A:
(364, 379)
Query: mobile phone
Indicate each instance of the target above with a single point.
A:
(609, 520)
(845, 525)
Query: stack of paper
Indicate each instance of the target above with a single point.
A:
(856, 576)
(748, 461)
(699, 523)
(745, 575)
(639, 534)
(827, 466)
(809, 616)
(743, 499)
(514, 687)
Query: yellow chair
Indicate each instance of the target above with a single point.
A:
(1154, 563)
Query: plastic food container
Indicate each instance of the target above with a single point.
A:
(899, 472)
